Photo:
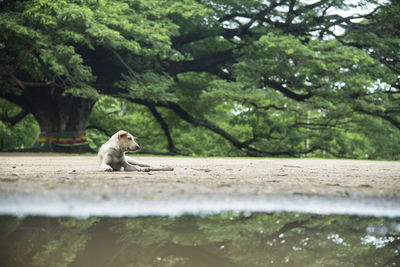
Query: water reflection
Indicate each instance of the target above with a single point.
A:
(227, 239)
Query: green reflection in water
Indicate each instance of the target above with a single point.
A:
(228, 239)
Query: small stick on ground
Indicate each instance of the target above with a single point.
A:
(159, 168)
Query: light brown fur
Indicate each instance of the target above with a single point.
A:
(111, 156)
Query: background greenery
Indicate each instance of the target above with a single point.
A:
(205, 77)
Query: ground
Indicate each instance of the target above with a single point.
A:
(79, 177)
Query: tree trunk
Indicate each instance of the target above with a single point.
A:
(164, 126)
(62, 118)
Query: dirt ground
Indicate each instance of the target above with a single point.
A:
(79, 177)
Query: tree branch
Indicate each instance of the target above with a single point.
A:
(19, 100)
(287, 92)
(257, 16)
(244, 146)
(289, 17)
(23, 84)
(381, 115)
(165, 128)
(19, 61)
(256, 106)
(98, 128)
(181, 40)
(204, 64)
(15, 119)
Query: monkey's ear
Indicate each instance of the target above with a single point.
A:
(122, 134)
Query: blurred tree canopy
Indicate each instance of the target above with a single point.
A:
(225, 239)
(199, 77)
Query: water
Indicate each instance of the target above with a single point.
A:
(220, 239)
(199, 231)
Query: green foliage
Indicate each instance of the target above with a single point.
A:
(138, 120)
(46, 35)
(225, 239)
(110, 115)
(19, 135)
(149, 85)
(62, 248)
(228, 78)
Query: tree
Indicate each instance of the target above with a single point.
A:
(270, 60)
(379, 36)
(53, 51)
(249, 72)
